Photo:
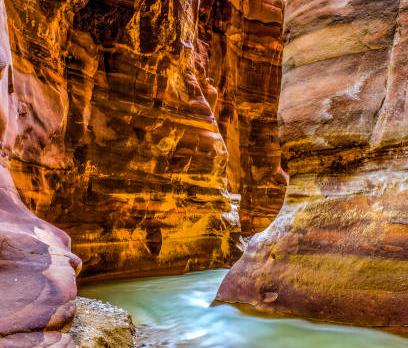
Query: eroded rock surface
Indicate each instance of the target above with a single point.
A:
(37, 269)
(245, 54)
(99, 324)
(103, 325)
(141, 123)
(338, 250)
(135, 126)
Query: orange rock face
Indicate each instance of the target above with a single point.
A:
(245, 54)
(338, 250)
(141, 123)
(37, 277)
(140, 128)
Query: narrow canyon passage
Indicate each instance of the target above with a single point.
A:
(145, 138)
(144, 125)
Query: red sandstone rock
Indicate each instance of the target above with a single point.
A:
(37, 339)
(338, 249)
(139, 124)
(134, 126)
(37, 269)
(245, 54)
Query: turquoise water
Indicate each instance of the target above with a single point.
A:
(180, 305)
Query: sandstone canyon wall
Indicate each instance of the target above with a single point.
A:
(245, 52)
(141, 122)
(338, 250)
(37, 269)
(138, 127)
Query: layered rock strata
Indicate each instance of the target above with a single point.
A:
(141, 123)
(131, 125)
(245, 56)
(37, 269)
(338, 250)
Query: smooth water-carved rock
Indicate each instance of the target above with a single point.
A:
(37, 339)
(37, 269)
(37, 280)
(3, 62)
(140, 123)
(338, 250)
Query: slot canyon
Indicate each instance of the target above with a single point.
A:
(248, 152)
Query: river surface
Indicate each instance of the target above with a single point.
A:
(180, 306)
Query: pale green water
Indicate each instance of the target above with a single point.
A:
(180, 305)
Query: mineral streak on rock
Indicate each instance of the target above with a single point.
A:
(140, 122)
(338, 250)
(37, 269)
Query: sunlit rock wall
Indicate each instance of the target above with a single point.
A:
(338, 250)
(245, 55)
(37, 269)
(141, 122)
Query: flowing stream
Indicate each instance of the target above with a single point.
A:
(180, 306)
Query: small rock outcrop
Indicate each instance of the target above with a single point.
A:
(101, 325)
(338, 250)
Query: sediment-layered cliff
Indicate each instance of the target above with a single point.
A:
(135, 126)
(338, 250)
(245, 54)
(141, 123)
